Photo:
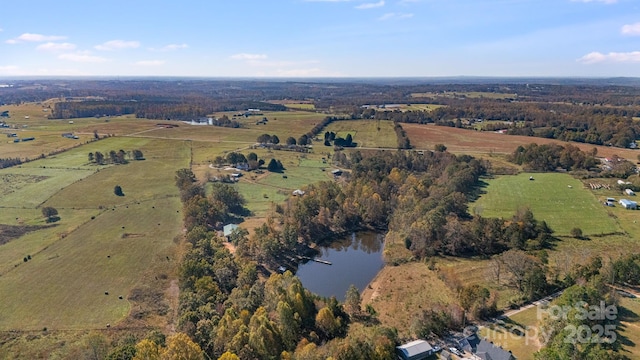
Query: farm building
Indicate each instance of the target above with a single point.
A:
(298, 192)
(336, 172)
(415, 350)
(628, 204)
(228, 229)
(629, 192)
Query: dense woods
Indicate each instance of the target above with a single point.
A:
(226, 306)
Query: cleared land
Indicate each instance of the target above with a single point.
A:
(397, 297)
(472, 142)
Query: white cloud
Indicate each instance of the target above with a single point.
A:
(150, 62)
(612, 57)
(52, 46)
(28, 37)
(370, 5)
(248, 57)
(117, 45)
(602, 1)
(172, 47)
(84, 57)
(631, 29)
(395, 16)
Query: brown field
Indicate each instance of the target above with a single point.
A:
(399, 292)
(475, 142)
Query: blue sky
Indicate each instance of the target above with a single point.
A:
(320, 38)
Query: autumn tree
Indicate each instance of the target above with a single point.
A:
(184, 178)
(180, 347)
(229, 356)
(352, 301)
(147, 350)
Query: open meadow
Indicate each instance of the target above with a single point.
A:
(86, 269)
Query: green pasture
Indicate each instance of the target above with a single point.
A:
(32, 243)
(78, 158)
(365, 132)
(296, 177)
(140, 180)
(282, 123)
(205, 152)
(558, 199)
(30, 187)
(63, 286)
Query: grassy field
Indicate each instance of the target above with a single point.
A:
(63, 286)
(399, 292)
(559, 199)
(366, 133)
(102, 242)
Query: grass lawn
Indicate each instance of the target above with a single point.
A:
(550, 199)
(296, 177)
(261, 197)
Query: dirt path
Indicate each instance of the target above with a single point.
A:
(172, 295)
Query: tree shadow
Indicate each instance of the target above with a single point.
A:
(52, 219)
(478, 190)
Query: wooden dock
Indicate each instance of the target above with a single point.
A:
(316, 260)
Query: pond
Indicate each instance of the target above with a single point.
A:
(355, 260)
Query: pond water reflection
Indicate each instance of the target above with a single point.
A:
(355, 260)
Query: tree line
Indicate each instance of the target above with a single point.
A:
(114, 157)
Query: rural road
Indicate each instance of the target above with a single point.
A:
(529, 306)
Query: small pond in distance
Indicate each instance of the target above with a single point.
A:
(355, 260)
